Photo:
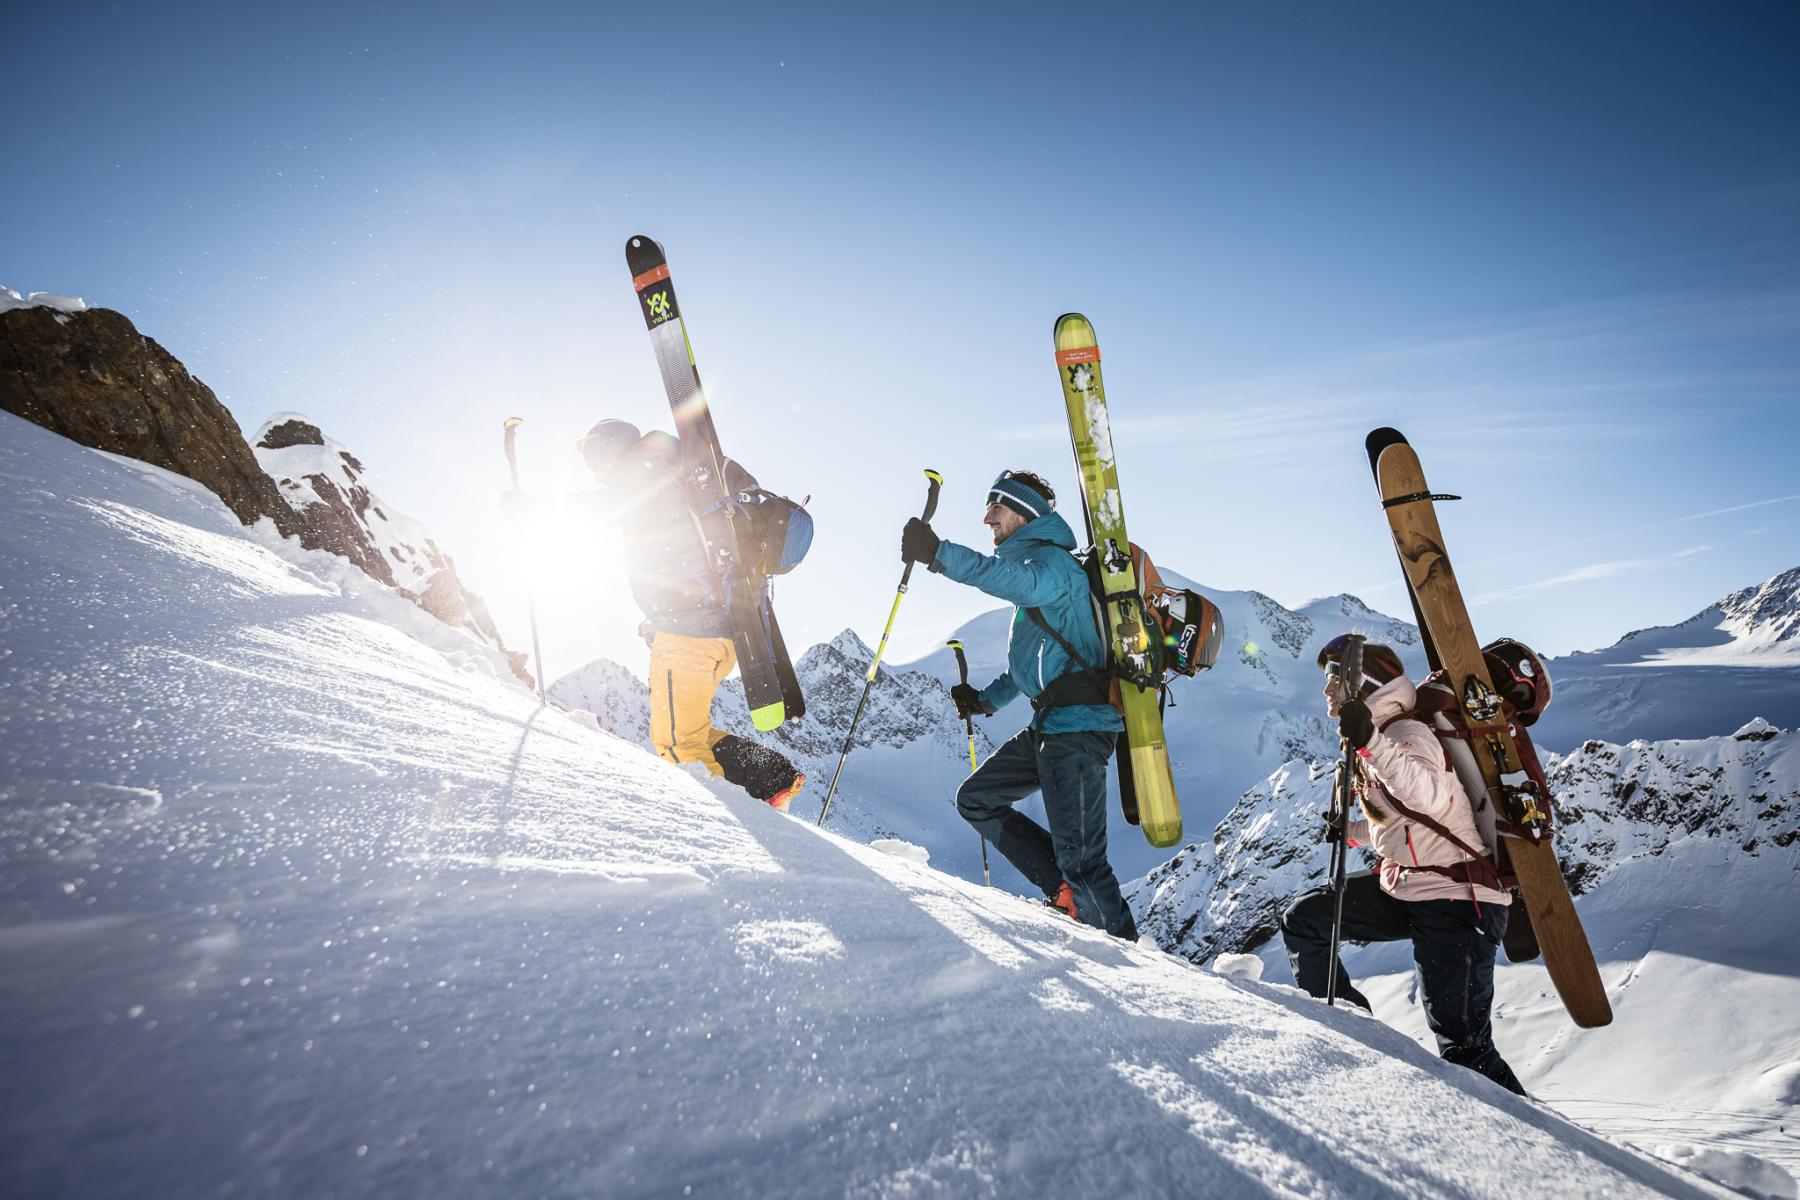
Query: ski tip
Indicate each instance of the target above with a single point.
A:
(1074, 331)
(642, 252)
(954, 644)
(769, 717)
(1379, 440)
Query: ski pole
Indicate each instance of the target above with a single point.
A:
(962, 667)
(1350, 682)
(512, 463)
(935, 481)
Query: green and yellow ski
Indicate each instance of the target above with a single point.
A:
(1144, 772)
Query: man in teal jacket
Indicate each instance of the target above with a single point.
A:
(1055, 658)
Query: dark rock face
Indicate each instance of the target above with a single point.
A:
(92, 377)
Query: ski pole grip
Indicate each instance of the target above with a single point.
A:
(931, 497)
(1353, 672)
(962, 662)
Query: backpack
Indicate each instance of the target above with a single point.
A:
(779, 530)
(1187, 632)
(1439, 709)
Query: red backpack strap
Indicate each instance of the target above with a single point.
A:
(1489, 873)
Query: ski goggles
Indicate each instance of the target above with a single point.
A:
(1379, 663)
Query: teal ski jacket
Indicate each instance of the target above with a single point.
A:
(1035, 569)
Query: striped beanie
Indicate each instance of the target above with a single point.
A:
(1019, 496)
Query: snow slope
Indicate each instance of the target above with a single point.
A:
(297, 902)
(899, 782)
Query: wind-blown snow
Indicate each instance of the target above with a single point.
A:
(296, 903)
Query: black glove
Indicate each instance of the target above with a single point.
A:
(967, 698)
(1355, 725)
(917, 542)
(1333, 827)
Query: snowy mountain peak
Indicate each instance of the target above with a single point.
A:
(1757, 730)
(1768, 612)
(1757, 626)
(845, 645)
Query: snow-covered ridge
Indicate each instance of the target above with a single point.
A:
(1757, 626)
(1737, 659)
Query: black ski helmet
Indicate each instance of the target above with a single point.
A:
(603, 446)
(1380, 664)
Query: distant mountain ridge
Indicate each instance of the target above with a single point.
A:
(1737, 659)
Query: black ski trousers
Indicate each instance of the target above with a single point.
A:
(1453, 950)
(1070, 769)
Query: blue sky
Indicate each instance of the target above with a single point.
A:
(1558, 245)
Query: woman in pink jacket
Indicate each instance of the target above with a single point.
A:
(1430, 891)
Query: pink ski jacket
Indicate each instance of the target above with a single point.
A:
(1403, 768)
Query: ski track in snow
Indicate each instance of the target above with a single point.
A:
(303, 897)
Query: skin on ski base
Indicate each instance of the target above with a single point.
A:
(757, 663)
(1567, 955)
(1127, 625)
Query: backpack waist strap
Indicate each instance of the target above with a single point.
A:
(1083, 683)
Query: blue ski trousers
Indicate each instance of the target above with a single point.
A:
(1070, 769)
(1453, 953)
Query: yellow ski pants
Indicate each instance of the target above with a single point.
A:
(684, 674)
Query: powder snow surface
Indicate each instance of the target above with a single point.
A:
(298, 898)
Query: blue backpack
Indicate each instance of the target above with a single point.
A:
(780, 530)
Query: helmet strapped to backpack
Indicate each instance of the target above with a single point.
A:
(780, 531)
(1190, 628)
(1193, 631)
(1519, 676)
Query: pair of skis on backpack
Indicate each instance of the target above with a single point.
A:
(771, 688)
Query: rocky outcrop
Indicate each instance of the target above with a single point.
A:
(322, 483)
(89, 375)
(92, 377)
(327, 515)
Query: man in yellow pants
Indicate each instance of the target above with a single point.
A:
(685, 622)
